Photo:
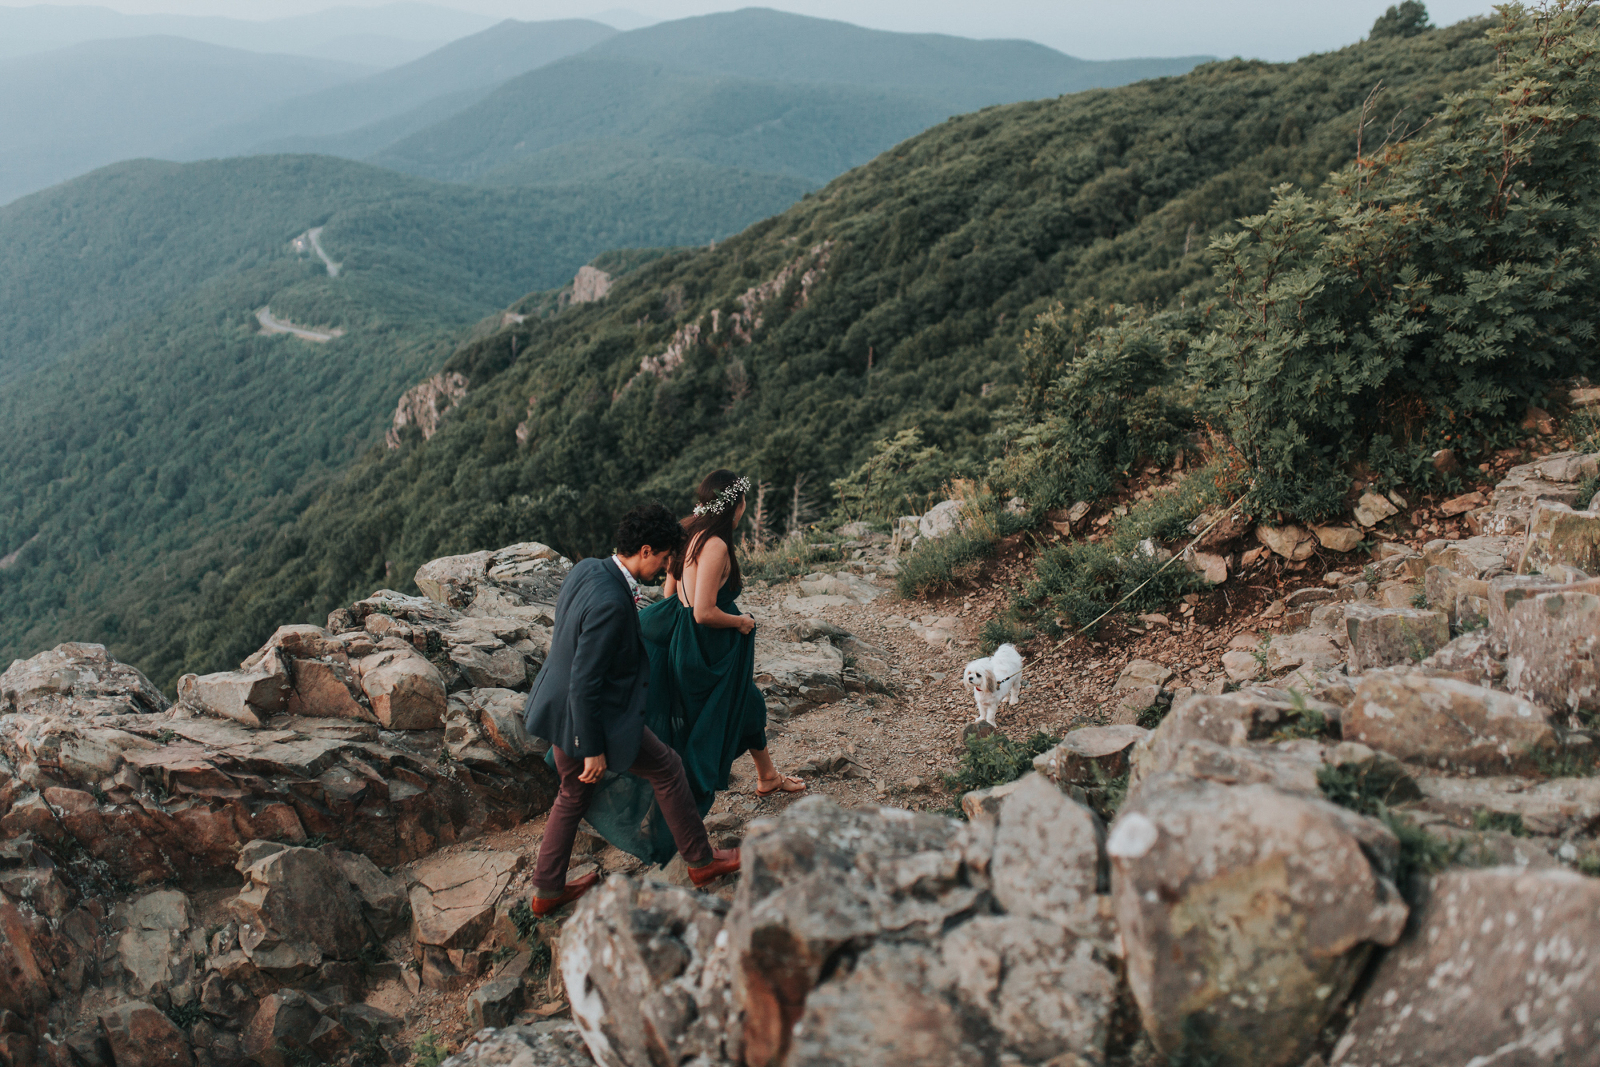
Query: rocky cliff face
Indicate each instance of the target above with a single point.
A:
(425, 405)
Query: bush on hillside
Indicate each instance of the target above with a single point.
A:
(902, 477)
(1432, 290)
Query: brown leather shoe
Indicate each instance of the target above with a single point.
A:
(723, 861)
(575, 889)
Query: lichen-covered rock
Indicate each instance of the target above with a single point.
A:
(1503, 967)
(1553, 648)
(158, 943)
(1558, 534)
(1384, 637)
(1246, 915)
(1229, 720)
(1555, 807)
(636, 959)
(1444, 723)
(524, 1046)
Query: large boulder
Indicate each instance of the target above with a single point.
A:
(1445, 723)
(158, 942)
(514, 576)
(1231, 720)
(636, 959)
(297, 909)
(76, 680)
(1247, 915)
(251, 697)
(1503, 967)
(405, 690)
(158, 798)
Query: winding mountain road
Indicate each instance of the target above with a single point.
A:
(272, 324)
(315, 233)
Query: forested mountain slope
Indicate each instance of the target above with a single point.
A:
(757, 89)
(148, 431)
(894, 297)
(460, 73)
(81, 107)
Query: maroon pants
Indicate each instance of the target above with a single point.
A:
(656, 764)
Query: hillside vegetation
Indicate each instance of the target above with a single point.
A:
(151, 434)
(926, 268)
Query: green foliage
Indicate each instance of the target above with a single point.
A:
(901, 477)
(1431, 288)
(995, 760)
(430, 1050)
(1507, 822)
(184, 1016)
(939, 564)
(523, 918)
(1406, 19)
(1370, 793)
(1077, 582)
(1304, 721)
(790, 558)
(1111, 404)
(1002, 631)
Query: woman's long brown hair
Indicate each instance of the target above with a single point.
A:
(719, 524)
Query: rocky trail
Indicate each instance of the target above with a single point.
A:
(319, 856)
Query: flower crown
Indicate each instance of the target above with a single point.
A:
(720, 503)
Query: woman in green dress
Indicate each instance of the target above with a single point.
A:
(703, 698)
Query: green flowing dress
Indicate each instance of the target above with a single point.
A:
(703, 704)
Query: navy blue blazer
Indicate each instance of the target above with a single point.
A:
(589, 697)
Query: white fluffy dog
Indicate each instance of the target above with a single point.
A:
(994, 681)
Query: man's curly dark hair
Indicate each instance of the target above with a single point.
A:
(649, 524)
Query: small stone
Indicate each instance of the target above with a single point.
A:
(1372, 509)
(1140, 673)
(1291, 542)
(495, 1003)
(1338, 538)
(1460, 505)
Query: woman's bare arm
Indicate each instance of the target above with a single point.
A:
(708, 572)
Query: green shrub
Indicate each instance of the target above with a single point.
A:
(1506, 822)
(1002, 631)
(935, 565)
(1418, 297)
(789, 559)
(902, 477)
(430, 1050)
(996, 759)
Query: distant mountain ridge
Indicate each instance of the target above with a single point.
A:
(87, 105)
(437, 85)
(382, 35)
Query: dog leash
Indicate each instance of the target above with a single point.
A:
(1215, 523)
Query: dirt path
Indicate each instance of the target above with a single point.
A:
(271, 324)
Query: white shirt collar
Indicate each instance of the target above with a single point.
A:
(633, 583)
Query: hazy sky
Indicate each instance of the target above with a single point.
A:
(1094, 29)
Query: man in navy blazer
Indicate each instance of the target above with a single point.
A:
(589, 701)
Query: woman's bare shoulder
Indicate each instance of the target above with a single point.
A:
(711, 547)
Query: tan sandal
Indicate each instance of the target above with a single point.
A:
(787, 783)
